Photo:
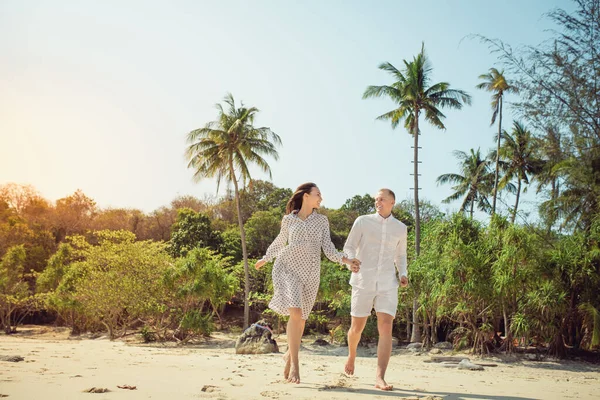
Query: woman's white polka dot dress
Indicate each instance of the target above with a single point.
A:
(297, 268)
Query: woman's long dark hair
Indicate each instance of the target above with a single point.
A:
(295, 202)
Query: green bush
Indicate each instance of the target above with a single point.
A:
(148, 335)
(194, 321)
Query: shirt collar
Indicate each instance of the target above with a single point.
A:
(381, 219)
(295, 214)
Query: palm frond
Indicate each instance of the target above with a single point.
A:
(446, 178)
(230, 141)
(388, 67)
(381, 91)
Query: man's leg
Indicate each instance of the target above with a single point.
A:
(356, 328)
(385, 323)
(360, 310)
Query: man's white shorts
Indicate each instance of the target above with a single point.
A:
(363, 302)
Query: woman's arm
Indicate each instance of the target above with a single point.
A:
(277, 246)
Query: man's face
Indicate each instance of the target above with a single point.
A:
(384, 203)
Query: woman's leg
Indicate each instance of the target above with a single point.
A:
(286, 356)
(295, 328)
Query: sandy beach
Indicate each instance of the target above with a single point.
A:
(57, 366)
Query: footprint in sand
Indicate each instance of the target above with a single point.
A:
(343, 382)
(211, 391)
(273, 395)
(209, 388)
(96, 390)
(128, 387)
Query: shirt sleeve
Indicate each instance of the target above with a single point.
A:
(280, 241)
(400, 254)
(328, 247)
(353, 240)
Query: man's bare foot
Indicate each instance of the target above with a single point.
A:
(288, 364)
(381, 384)
(349, 367)
(294, 375)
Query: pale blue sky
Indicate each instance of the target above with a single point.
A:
(100, 95)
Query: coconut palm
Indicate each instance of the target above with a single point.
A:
(519, 153)
(413, 96)
(224, 149)
(495, 82)
(473, 183)
(550, 148)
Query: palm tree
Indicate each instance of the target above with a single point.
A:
(495, 82)
(474, 184)
(413, 96)
(551, 151)
(518, 152)
(223, 149)
(579, 198)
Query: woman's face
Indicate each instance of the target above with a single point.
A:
(313, 199)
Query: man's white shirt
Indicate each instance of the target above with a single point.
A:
(380, 244)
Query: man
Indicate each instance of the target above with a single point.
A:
(379, 242)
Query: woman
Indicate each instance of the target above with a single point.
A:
(297, 269)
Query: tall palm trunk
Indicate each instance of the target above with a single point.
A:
(415, 336)
(553, 196)
(497, 155)
(517, 200)
(508, 345)
(244, 251)
(408, 325)
(416, 173)
(416, 333)
(472, 206)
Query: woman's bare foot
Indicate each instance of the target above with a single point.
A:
(381, 384)
(288, 364)
(294, 376)
(349, 367)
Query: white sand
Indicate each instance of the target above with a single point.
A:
(57, 367)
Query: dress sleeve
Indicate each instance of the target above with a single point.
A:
(280, 241)
(328, 247)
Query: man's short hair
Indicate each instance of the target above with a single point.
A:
(388, 191)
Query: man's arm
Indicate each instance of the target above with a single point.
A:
(353, 240)
(400, 257)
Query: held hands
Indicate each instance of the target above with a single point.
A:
(353, 264)
(403, 281)
(259, 264)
